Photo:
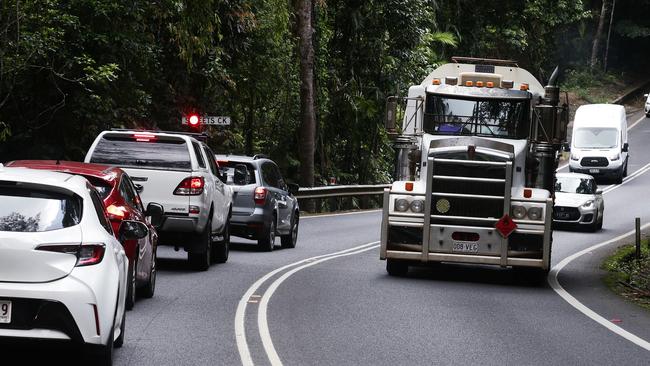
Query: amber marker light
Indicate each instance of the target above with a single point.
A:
(469, 83)
(409, 186)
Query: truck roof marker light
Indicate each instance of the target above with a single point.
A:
(435, 82)
(451, 80)
(408, 186)
(507, 84)
(469, 83)
(489, 84)
(523, 87)
(479, 84)
(528, 193)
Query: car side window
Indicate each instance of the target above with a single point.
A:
(130, 194)
(281, 184)
(269, 176)
(99, 209)
(199, 156)
(211, 160)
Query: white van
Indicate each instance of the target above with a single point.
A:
(599, 141)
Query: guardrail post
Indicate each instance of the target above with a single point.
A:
(637, 224)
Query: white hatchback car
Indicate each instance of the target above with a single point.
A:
(578, 201)
(62, 271)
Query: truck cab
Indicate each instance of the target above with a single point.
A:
(476, 160)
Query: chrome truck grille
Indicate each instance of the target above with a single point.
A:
(468, 189)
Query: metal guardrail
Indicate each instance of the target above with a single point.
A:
(341, 191)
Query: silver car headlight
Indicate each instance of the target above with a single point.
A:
(417, 206)
(401, 205)
(519, 212)
(535, 213)
(588, 204)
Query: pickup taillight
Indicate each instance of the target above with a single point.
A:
(190, 186)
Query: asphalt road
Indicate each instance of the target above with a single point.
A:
(343, 309)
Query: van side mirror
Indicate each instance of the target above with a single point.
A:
(645, 95)
(566, 147)
(293, 188)
(156, 212)
(626, 147)
(391, 116)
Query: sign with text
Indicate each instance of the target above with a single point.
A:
(211, 120)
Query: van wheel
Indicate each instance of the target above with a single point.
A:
(625, 171)
(619, 179)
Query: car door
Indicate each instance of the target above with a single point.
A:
(220, 214)
(280, 193)
(145, 245)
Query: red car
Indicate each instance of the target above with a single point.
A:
(122, 202)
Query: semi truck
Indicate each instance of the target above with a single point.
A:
(476, 156)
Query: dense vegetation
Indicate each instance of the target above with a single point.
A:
(69, 69)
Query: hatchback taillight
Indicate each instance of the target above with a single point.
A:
(260, 195)
(87, 254)
(190, 186)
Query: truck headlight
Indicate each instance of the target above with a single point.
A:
(588, 204)
(401, 205)
(574, 157)
(519, 212)
(535, 213)
(417, 206)
(615, 157)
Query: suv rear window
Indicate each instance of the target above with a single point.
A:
(158, 152)
(30, 210)
(229, 169)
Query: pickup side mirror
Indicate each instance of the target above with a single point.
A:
(626, 147)
(132, 230)
(293, 188)
(156, 212)
(240, 175)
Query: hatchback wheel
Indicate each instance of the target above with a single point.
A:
(290, 240)
(267, 241)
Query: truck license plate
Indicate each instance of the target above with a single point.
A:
(464, 247)
(5, 311)
(594, 170)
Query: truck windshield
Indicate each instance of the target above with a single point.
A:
(506, 118)
(595, 138)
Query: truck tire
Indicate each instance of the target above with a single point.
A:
(267, 240)
(221, 251)
(396, 268)
(200, 260)
(290, 240)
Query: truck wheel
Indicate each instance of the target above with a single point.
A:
(222, 250)
(131, 282)
(396, 268)
(267, 241)
(290, 240)
(200, 261)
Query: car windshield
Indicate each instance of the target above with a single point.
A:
(28, 210)
(484, 117)
(142, 151)
(574, 185)
(229, 168)
(595, 138)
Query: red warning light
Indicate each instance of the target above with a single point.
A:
(193, 120)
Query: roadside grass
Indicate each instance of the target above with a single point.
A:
(629, 277)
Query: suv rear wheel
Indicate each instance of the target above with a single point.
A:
(290, 240)
(200, 261)
(267, 241)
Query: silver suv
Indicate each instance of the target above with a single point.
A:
(264, 205)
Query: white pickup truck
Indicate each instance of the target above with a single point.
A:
(179, 172)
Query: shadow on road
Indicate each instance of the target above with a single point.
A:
(31, 352)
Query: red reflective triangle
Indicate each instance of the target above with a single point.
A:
(505, 226)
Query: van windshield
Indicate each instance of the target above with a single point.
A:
(595, 138)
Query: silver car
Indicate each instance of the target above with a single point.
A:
(578, 201)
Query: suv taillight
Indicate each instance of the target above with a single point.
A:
(190, 186)
(87, 254)
(260, 195)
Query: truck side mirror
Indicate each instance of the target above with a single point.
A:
(391, 115)
(626, 147)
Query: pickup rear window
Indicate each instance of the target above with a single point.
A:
(136, 151)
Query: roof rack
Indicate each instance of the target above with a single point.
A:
(484, 61)
(260, 156)
(201, 136)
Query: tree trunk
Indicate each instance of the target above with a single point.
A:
(599, 34)
(307, 112)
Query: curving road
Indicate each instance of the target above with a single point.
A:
(329, 301)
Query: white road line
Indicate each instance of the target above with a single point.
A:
(262, 322)
(628, 128)
(555, 284)
(240, 314)
(555, 271)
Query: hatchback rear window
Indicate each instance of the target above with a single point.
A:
(157, 152)
(30, 210)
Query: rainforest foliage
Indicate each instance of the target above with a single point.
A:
(72, 68)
